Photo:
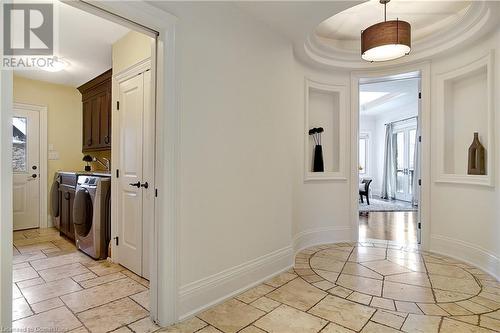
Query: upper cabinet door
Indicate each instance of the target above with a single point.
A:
(96, 97)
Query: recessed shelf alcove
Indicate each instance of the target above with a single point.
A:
(325, 106)
(464, 106)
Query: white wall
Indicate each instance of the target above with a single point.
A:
(465, 218)
(236, 97)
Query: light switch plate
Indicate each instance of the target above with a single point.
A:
(53, 155)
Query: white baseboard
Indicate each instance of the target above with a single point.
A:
(467, 252)
(197, 296)
(320, 236)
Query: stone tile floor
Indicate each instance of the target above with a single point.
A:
(361, 287)
(349, 287)
(57, 288)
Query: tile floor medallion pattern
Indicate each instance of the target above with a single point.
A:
(340, 288)
(59, 289)
(368, 287)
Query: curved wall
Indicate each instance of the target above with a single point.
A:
(464, 219)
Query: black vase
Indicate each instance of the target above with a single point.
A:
(318, 159)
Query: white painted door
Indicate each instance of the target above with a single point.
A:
(405, 161)
(136, 167)
(25, 168)
(131, 99)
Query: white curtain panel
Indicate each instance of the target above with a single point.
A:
(389, 175)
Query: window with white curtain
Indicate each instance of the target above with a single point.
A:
(363, 153)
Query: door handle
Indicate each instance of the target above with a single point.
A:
(145, 185)
(138, 184)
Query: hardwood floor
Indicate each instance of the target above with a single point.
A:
(393, 226)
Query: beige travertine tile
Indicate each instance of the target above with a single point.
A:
(445, 296)
(254, 293)
(111, 316)
(252, 329)
(313, 278)
(361, 284)
(31, 282)
(421, 324)
(388, 319)
(61, 272)
(83, 277)
(383, 303)
(386, 267)
(334, 328)
(329, 276)
(80, 329)
(453, 326)
(340, 291)
(102, 279)
(35, 247)
(281, 279)
(326, 264)
(467, 286)
(31, 241)
(102, 294)
(408, 307)
(16, 293)
(484, 302)
(372, 327)
(265, 304)
(448, 270)
(104, 267)
(20, 265)
(188, 326)
(406, 292)
(23, 274)
(298, 293)
(490, 323)
(495, 315)
(20, 309)
(339, 254)
(324, 285)
(285, 319)
(136, 278)
(60, 261)
(209, 329)
(47, 305)
(431, 309)
(413, 278)
(60, 318)
(473, 319)
(454, 309)
(489, 296)
(352, 268)
(145, 325)
(142, 299)
(123, 329)
(346, 313)
(473, 307)
(52, 289)
(231, 315)
(16, 259)
(360, 298)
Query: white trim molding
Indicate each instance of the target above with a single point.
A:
(319, 236)
(43, 160)
(441, 79)
(340, 174)
(467, 252)
(197, 296)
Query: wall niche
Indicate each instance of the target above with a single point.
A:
(325, 106)
(465, 106)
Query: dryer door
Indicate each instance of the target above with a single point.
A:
(54, 202)
(82, 212)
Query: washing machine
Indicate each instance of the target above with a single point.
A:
(91, 215)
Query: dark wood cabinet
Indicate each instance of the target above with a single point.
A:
(66, 199)
(96, 99)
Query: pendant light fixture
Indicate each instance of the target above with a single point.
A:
(386, 40)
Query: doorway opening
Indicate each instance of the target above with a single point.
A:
(68, 242)
(389, 158)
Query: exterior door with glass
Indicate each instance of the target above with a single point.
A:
(26, 168)
(405, 160)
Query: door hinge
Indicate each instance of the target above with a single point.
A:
(156, 193)
(117, 173)
(420, 182)
(419, 225)
(116, 241)
(419, 95)
(118, 105)
(419, 138)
